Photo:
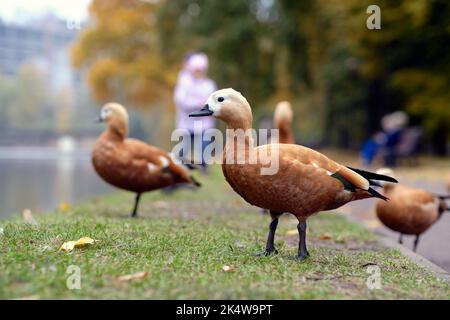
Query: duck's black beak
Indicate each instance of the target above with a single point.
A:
(98, 120)
(203, 112)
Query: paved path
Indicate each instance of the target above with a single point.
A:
(434, 244)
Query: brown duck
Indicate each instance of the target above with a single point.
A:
(282, 120)
(131, 164)
(305, 183)
(410, 211)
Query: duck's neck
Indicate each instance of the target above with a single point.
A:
(239, 140)
(116, 133)
(285, 134)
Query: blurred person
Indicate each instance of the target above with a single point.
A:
(371, 147)
(191, 92)
(393, 126)
(388, 141)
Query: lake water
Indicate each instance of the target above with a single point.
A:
(41, 178)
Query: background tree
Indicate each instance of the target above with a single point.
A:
(121, 51)
(341, 77)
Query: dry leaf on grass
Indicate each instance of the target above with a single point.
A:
(28, 217)
(325, 236)
(240, 245)
(70, 245)
(2, 231)
(372, 224)
(229, 268)
(292, 232)
(64, 207)
(134, 276)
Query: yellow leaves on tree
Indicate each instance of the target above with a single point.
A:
(428, 94)
(121, 52)
(101, 78)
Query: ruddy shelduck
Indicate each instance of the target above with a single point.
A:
(410, 211)
(282, 120)
(131, 164)
(305, 183)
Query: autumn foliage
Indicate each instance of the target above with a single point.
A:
(316, 53)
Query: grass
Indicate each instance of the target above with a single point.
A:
(183, 240)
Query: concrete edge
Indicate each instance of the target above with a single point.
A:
(437, 271)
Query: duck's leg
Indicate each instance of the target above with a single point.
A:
(136, 205)
(400, 239)
(416, 242)
(270, 246)
(302, 250)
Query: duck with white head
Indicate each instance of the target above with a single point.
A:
(131, 164)
(305, 183)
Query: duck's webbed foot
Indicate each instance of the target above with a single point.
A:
(267, 252)
(302, 250)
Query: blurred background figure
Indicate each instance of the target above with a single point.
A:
(191, 92)
(393, 125)
(395, 141)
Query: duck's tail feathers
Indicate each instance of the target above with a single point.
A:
(195, 182)
(376, 194)
(191, 166)
(184, 162)
(374, 177)
(444, 204)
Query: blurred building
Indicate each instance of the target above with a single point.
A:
(67, 108)
(43, 41)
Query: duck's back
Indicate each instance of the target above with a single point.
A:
(130, 164)
(301, 185)
(409, 210)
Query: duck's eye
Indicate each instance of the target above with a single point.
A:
(220, 99)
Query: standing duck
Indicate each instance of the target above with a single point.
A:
(305, 183)
(410, 211)
(282, 120)
(131, 164)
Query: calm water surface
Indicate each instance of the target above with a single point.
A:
(41, 178)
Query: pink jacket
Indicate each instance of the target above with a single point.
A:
(191, 95)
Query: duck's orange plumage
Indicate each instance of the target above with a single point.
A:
(410, 211)
(131, 164)
(305, 183)
(282, 120)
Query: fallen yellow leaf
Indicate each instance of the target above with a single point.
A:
(134, 276)
(70, 245)
(292, 232)
(325, 236)
(28, 217)
(372, 224)
(64, 207)
(229, 268)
